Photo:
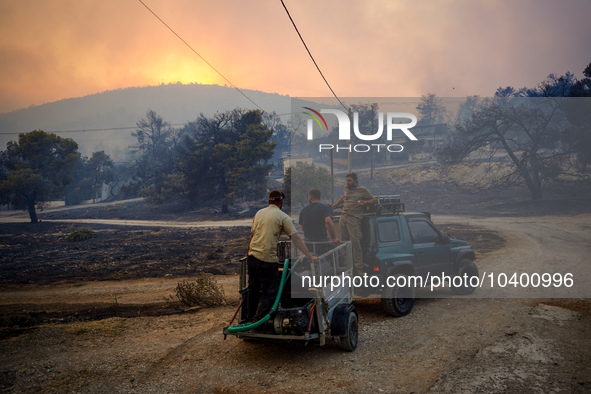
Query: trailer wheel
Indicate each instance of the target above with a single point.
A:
(398, 300)
(468, 268)
(351, 338)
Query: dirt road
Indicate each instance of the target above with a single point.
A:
(551, 245)
(444, 345)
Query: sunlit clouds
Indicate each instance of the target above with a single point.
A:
(54, 49)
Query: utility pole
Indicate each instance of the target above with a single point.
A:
(331, 179)
(371, 153)
(349, 155)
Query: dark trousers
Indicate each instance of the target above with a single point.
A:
(263, 284)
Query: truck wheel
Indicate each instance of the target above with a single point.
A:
(398, 301)
(350, 340)
(468, 268)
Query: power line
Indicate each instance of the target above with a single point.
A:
(75, 131)
(202, 58)
(309, 53)
(88, 130)
(114, 128)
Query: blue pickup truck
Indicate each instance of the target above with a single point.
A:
(408, 250)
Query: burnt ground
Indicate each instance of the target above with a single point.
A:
(138, 209)
(40, 256)
(42, 253)
(91, 316)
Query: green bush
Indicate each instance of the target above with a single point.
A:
(81, 234)
(203, 291)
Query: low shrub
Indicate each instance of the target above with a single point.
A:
(202, 291)
(81, 234)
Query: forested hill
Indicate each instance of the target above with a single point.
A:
(116, 109)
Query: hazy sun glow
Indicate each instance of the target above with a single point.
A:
(68, 48)
(176, 68)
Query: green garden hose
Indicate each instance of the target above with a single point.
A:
(251, 326)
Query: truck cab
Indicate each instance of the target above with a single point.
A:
(397, 244)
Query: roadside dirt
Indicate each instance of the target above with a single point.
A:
(91, 316)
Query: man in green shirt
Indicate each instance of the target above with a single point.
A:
(263, 268)
(354, 199)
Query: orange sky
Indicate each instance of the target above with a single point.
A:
(55, 49)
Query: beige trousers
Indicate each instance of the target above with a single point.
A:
(350, 230)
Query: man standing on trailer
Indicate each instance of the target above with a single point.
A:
(263, 268)
(354, 199)
(316, 222)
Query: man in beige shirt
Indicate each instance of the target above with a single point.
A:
(263, 268)
(354, 199)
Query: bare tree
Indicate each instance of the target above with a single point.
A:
(157, 161)
(431, 110)
(522, 140)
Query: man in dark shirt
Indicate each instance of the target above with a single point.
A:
(316, 220)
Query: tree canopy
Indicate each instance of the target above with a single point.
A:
(582, 87)
(226, 157)
(210, 160)
(36, 169)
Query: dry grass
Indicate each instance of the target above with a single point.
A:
(580, 305)
(108, 327)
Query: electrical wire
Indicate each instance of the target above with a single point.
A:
(311, 57)
(114, 128)
(87, 130)
(197, 53)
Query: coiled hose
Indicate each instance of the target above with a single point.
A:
(251, 326)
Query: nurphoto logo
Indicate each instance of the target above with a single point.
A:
(345, 130)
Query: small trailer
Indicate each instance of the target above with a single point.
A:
(307, 307)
